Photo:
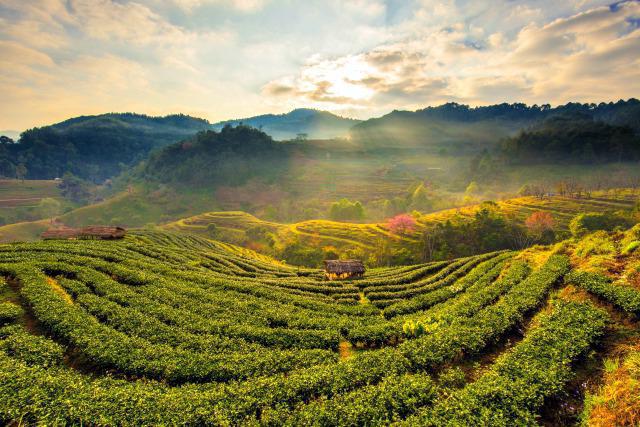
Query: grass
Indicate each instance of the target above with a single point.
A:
(23, 231)
(19, 200)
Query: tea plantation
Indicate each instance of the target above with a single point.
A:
(165, 329)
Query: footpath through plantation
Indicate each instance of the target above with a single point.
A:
(164, 328)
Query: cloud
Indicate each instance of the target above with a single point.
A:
(591, 55)
(247, 6)
(232, 58)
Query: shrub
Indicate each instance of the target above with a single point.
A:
(9, 312)
(413, 329)
(588, 222)
(212, 230)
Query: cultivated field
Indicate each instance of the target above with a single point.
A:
(19, 200)
(367, 236)
(163, 328)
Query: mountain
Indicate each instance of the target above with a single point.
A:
(572, 138)
(458, 128)
(230, 157)
(316, 124)
(94, 147)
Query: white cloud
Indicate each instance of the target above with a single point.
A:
(247, 6)
(589, 56)
(230, 58)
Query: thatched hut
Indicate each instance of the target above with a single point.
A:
(343, 269)
(100, 232)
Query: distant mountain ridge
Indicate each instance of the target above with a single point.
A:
(315, 123)
(477, 128)
(103, 146)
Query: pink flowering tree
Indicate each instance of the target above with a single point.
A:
(401, 224)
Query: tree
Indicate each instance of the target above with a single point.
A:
(21, 172)
(212, 230)
(472, 188)
(540, 222)
(420, 198)
(345, 209)
(402, 224)
(431, 238)
(74, 188)
(49, 208)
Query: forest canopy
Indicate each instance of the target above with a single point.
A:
(231, 156)
(93, 148)
(576, 138)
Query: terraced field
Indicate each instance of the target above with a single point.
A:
(162, 328)
(367, 236)
(15, 193)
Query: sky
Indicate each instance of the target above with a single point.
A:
(224, 59)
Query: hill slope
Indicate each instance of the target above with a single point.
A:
(94, 147)
(371, 241)
(314, 123)
(457, 128)
(113, 333)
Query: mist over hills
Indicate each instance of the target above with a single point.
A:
(99, 147)
(455, 127)
(314, 123)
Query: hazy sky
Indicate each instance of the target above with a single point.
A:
(222, 59)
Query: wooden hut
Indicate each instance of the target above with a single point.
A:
(99, 232)
(343, 269)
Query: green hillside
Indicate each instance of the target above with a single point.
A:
(115, 333)
(375, 242)
(20, 200)
(93, 147)
(460, 128)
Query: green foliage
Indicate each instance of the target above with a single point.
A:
(33, 350)
(585, 223)
(520, 380)
(9, 312)
(598, 243)
(624, 296)
(49, 207)
(488, 230)
(413, 329)
(229, 157)
(346, 210)
(574, 138)
(21, 171)
(212, 230)
(171, 329)
(94, 147)
(297, 253)
(74, 188)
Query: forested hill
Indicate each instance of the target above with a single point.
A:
(94, 147)
(572, 138)
(99, 147)
(231, 156)
(459, 128)
(314, 123)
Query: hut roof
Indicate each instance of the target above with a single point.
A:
(344, 266)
